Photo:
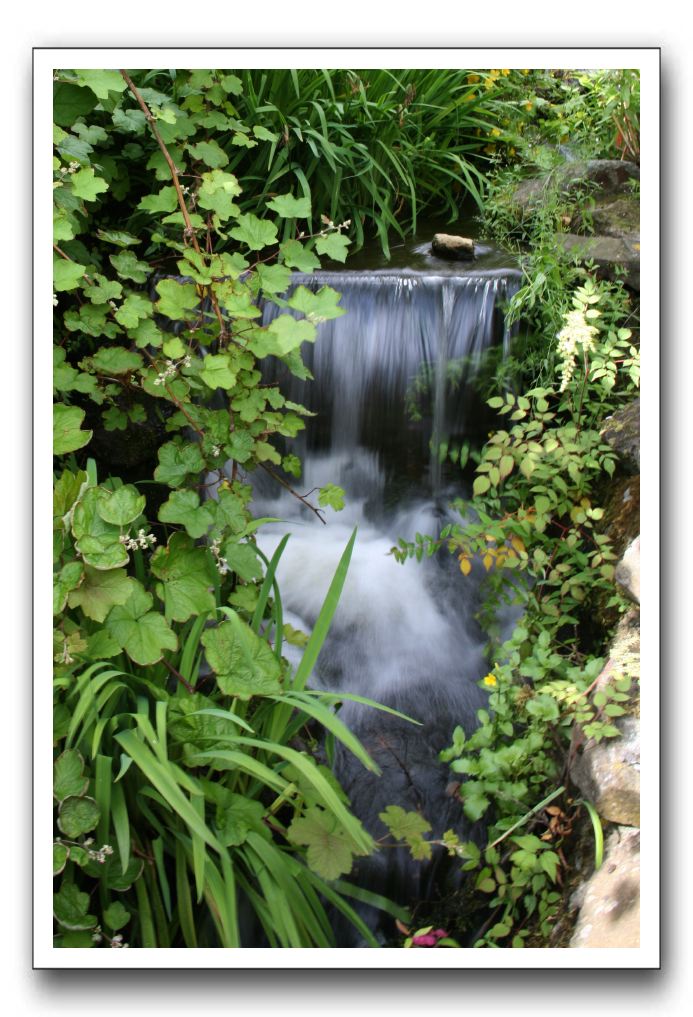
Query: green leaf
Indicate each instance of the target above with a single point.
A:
(286, 333)
(67, 433)
(333, 245)
(71, 101)
(176, 300)
(129, 267)
(404, 825)
(115, 360)
(116, 916)
(101, 82)
(210, 153)
(243, 663)
(70, 908)
(289, 207)
(183, 508)
(217, 372)
(255, 233)
(97, 541)
(68, 776)
(317, 307)
(332, 496)
(295, 255)
(86, 185)
(60, 855)
(100, 591)
(178, 463)
(165, 200)
(67, 579)
(186, 573)
(67, 275)
(243, 560)
(77, 816)
(122, 506)
(142, 633)
(274, 278)
(481, 485)
(232, 84)
(330, 848)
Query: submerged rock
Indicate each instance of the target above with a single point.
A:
(609, 901)
(455, 248)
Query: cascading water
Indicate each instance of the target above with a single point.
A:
(404, 636)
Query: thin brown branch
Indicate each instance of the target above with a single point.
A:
(179, 676)
(284, 483)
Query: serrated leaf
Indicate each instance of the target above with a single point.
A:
(404, 825)
(244, 664)
(285, 334)
(255, 233)
(116, 916)
(177, 300)
(165, 200)
(295, 255)
(128, 266)
(66, 580)
(143, 634)
(122, 506)
(210, 153)
(177, 463)
(70, 908)
(330, 849)
(101, 82)
(186, 573)
(243, 560)
(71, 101)
(333, 245)
(115, 360)
(100, 591)
(67, 275)
(317, 307)
(67, 433)
(86, 185)
(77, 816)
(289, 207)
(217, 372)
(183, 508)
(68, 776)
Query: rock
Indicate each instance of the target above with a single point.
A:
(455, 248)
(616, 258)
(609, 901)
(628, 571)
(619, 217)
(622, 432)
(608, 774)
(611, 176)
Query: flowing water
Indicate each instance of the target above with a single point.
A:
(391, 376)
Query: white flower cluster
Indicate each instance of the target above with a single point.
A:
(215, 451)
(172, 369)
(576, 332)
(222, 565)
(117, 942)
(142, 540)
(98, 854)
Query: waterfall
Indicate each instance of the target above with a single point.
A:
(390, 375)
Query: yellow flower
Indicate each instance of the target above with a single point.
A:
(473, 78)
(490, 680)
(495, 133)
(505, 73)
(525, 72)
(528, 105)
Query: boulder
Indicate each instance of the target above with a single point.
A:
(609, 901)
(608, 774)
(616, 217)
(455, 248)
(616, 258)
(628, 571)
(610, 176)
(622, 432)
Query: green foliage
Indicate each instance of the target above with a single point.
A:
(178, 791)
(535, 512)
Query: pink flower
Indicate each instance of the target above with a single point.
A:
(429, 938)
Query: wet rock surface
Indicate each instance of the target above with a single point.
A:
(452, 247)
(628, 571)
(608, 774)
(609, 902)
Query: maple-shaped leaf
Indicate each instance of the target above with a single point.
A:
(243, 663)
(404, 825)
(330, 849)
(187, 575)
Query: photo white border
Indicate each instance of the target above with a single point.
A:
(647, 60)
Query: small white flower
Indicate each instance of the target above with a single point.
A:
(55, 300)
